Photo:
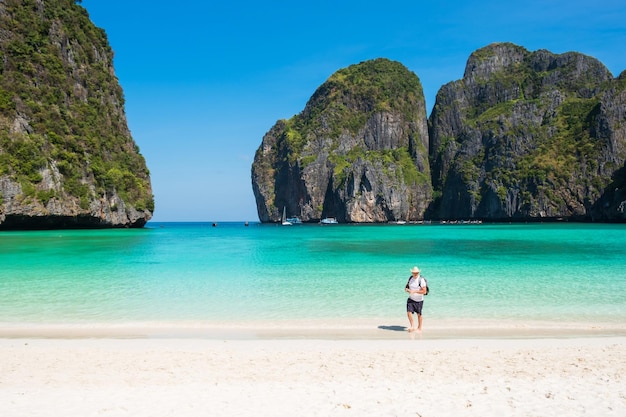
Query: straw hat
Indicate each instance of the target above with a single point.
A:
(415, 269)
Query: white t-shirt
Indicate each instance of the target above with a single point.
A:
(416, 284)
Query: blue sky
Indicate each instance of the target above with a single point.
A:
(205, 80)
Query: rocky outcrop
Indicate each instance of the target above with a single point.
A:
(610, 128)
(528, 136)
(67, 159)
(523, 136)
(358, 151)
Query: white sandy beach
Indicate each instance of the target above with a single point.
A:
(403, 375)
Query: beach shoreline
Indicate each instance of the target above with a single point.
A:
(339, 329)
(154, 377)
(367, 367)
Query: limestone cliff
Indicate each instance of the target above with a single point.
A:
(67, 158)
(358, 151)
(529, 135)
(523, 136)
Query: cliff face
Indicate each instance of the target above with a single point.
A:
(522, 136)
(610, 127)
(529, 136)
(358, 151)
(67, 158)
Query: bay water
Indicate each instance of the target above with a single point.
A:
(205, 273)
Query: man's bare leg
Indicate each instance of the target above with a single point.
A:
(410, 316)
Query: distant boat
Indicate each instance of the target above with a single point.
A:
(329, 220)
(294, 220)
(284, 220)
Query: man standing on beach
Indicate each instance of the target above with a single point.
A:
(416, 287)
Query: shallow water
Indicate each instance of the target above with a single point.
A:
(193, 272)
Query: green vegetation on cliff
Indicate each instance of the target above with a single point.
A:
(61, 106)
(350, 97)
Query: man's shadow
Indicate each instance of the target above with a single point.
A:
(393, 328)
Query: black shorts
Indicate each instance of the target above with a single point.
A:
(414, 306)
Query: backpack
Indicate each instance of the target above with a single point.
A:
(425, 280)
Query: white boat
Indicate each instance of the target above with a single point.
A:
(329, 220)
(294, 220)
(284, 220)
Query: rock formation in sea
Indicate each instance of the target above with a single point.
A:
(67, 158)
(523, 136)
(358, 151)
(529, 136)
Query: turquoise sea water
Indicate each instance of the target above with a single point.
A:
(193, 272)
